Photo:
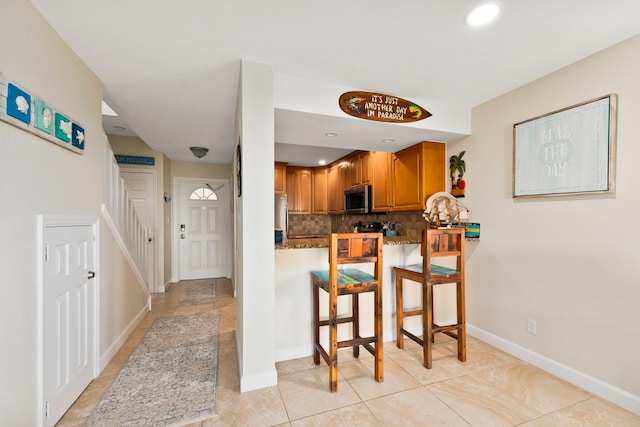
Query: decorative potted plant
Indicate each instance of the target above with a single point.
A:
(457, 168)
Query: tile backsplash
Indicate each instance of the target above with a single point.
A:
(411, 223)
(309, 224)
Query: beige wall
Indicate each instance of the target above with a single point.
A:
(38, 177)
(200, 170)
(569, 263)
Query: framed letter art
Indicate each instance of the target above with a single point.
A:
(566, 152)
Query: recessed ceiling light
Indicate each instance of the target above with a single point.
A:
(388, 140)
(482, 14)
(322, 162)
(331, 134)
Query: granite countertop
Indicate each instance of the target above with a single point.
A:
(323, 242)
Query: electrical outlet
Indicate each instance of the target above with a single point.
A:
(531, 326)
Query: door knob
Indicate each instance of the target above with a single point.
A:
(182, 236)
(91, 274)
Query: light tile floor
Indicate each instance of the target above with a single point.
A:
(491, 389)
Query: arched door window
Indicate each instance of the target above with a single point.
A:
(203, 193)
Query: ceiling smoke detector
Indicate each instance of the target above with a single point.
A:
(199, 152)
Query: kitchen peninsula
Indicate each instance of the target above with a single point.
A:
(293, 294)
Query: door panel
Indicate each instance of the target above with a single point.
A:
(205, 234)
(68, 318)
(141, 189)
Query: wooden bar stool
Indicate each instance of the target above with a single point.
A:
(349, 248)
(435, 243)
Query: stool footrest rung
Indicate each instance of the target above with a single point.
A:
(326, 322)
(413, 337)
(446, 329)
(408, 313)
(356, 341)
(370, 349)
(323, 353)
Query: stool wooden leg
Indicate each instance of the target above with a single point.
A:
(399, 313)
(316, 325)
(427, 323)
(379, 367)
(333, 339)
(355, 310)
(462, 329)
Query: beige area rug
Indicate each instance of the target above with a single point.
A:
(171, 377)
(198, 292)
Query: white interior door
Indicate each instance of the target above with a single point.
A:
(142, 191)
(203, 233)
(68, 305)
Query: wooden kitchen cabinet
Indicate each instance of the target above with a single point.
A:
(332, 186)
(360, 168)
(366, 173)
(406, 178)
(320, 202)
(418, 172)
(381, 181)
(299, 192)
(338, 180)
(354, 170)
(280, 178)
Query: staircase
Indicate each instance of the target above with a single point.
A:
(120, 215)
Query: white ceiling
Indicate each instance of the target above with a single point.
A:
(171, 69)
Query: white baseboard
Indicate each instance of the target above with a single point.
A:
(257, 381)
(167, 285)
(106, 357)
(593, 385)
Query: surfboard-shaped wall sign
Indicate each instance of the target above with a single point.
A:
(381, 108)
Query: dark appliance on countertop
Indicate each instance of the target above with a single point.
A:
(370, 227)
(358, 200)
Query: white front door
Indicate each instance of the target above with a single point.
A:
(204, 229)
(142, 192)
(68, 305)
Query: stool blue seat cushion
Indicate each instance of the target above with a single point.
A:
(346, 276)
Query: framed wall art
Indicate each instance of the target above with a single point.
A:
(25, 110)
(566, 152)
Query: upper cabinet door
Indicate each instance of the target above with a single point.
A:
(280, 178)
(319, 189)
(418, 172)
(407, 165)
(366, 174)
(299, 190)
(382, 181)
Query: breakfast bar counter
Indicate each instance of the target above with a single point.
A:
(323, 242)
(294, 262)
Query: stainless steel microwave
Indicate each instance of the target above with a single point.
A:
(358, 200)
